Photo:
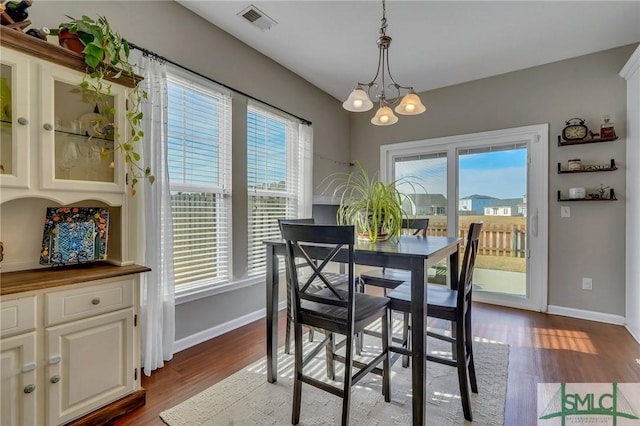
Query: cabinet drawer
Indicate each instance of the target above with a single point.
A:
(17, 315)
(107, 296)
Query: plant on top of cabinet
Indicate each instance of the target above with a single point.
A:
(106, 54)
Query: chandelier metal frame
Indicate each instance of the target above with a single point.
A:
(360, 101)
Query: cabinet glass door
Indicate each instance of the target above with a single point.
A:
(14, 120)
(78, 133)
(6, 124)
(83, 136)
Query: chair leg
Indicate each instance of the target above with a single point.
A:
(311, 334)
(406, 338)
(360, 336)
(348, 378)
(287, 337)
(359, 342)
(386, 364)
(329, 351)
(297, 383)
(469, 352)
(463, 379)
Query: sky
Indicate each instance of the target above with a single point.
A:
(499, 174)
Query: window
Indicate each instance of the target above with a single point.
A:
(273, 161)
(199, 161)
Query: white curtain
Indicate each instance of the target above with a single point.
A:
(305, 133)
(155, 229)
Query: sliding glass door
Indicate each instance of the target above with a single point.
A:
(498, 178)
(492, 189)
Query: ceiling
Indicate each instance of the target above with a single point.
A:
(332, 44)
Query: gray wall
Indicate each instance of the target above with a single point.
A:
(172, 31)
(591, 242)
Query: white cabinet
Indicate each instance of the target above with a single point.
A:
(58, 147)
(18, 371)
(69, 340)
(90, 363)
(69, 346)
(54, 136)
(18, 361)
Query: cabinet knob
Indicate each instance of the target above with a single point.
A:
(29, 388)
(95, 301)
(23, 121)
(47, 126)
(55, 379)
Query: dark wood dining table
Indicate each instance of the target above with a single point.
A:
(411, 253)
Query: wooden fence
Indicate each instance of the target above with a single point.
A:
(495, 239)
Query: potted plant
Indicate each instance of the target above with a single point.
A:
(374, 207)
(106, 54)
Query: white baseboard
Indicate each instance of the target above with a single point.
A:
(204, 335)
(634, 333)
(588, 315)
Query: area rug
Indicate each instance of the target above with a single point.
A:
(247, 399)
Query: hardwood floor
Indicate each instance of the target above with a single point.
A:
(543, 348)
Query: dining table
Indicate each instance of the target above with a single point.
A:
(412, 253)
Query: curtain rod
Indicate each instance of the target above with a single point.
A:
(162, 58)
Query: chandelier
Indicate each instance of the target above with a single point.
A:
(360, 100)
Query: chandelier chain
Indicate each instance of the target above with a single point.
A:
(383, 27)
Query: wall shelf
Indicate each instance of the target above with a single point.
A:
(612, 197)
(591, 168)
(584, 141)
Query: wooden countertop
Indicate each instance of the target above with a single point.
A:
(38, 279)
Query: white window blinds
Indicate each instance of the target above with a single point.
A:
(199, 160)
(273, 162)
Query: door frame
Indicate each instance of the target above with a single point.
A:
(537, 139)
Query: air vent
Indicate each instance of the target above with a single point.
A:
(258, 18)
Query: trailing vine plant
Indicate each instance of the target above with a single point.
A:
(106, 55)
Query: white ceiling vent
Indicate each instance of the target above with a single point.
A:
(258, 18)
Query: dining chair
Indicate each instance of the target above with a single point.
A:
(287, 338)
(452, 305)
(334, 309)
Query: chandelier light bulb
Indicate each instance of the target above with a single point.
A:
(410, 105)
(384, 117)
(358, 101)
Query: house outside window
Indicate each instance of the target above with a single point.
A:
(199, 162)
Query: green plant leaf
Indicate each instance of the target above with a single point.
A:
(92, 61)
(136, 156)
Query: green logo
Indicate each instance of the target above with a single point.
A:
(614, 405)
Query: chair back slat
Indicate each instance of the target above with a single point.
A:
(465, 283)
(419, 226)
(317, 270)
(299, 239)
(282, 221)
